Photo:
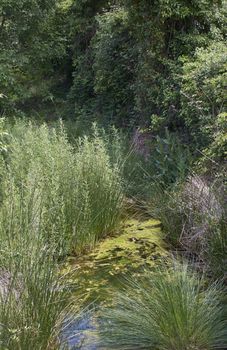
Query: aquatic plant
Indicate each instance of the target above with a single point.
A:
(171, 309)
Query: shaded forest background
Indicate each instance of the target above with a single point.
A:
(152, 64)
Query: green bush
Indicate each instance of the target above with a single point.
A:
(213, 156)
(170, 309)
(193, 216)
(143, 44)
(203, 95)
(30, 45)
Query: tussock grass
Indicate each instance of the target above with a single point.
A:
(171, 309)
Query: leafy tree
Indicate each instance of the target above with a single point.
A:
(127, 57)
(166, 30)
(204, 92)
(30, 43)
(114, 67)
(83, 25)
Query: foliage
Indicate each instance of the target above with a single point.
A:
(203, 91)
(111, 47)
(102, 185)
(95, 92)
(167, 310)
(167, 64)
(171, 159)
(3, 136)
(167, 205)
(30, 44)
(82, 21)
(215, 253)
(142, 44)
(165, 32)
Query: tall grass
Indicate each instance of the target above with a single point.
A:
(55, 198)
(101, 182)
(166, 163)
(216, 249)
(79, 187)
(166, 205)
(34, 300)
(169, 310)
(193, 216)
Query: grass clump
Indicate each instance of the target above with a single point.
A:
(33, 303)
(34, 299)
(77, 189)
(167, 206)
(100, 181)
(170, 309)
(216, 249)
(193, 217)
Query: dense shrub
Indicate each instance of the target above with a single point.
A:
(143, 44)
(203, 96)
(160, 161)
(30, 46)
(216, 248)
(167, 206)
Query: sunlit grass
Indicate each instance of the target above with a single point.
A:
(171, 309)
(77, 191)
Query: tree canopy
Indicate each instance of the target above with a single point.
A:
(152, 64)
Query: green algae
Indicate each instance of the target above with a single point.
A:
(139, 245)
(137, 242)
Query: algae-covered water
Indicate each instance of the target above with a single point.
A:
(97, 276)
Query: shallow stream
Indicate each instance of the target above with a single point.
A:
(95, 277)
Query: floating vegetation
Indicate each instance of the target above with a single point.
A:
(140, 244)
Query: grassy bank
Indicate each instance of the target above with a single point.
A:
(59, 197)
(56, 199)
